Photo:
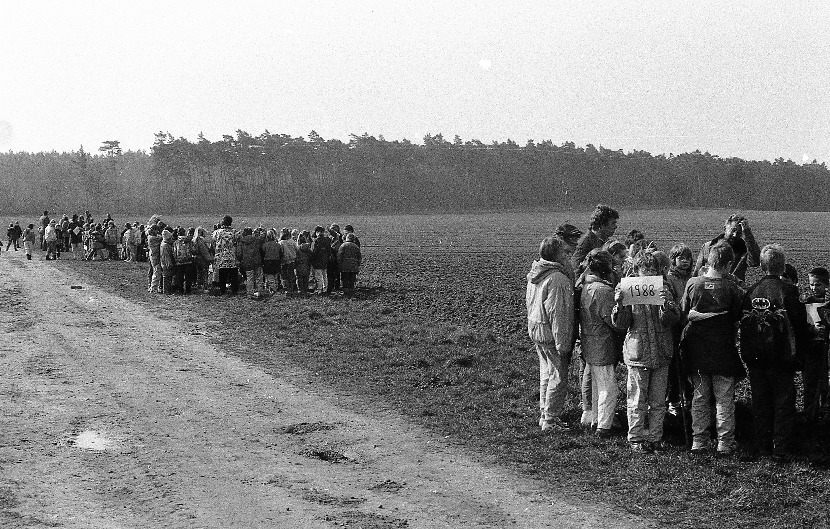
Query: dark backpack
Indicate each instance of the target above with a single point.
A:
(766, 335)
(181, 252)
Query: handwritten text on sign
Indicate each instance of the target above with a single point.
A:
(642, 290)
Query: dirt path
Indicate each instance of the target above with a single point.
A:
(115, 418)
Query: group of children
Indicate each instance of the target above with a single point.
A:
(683, 345)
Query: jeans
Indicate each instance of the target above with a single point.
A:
(604, 392)
(322, 279)
(773, 408)
(289, 280)
(553, 381)
(646, 403)
(723, 389)
(253, 281)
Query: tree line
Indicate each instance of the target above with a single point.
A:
(284, 174)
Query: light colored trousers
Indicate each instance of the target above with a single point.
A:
(604, 394)
(646, 403)
(723, 389)
(321, 278)
(553, 381)
(253, 282)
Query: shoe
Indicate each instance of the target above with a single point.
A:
(641, 448)
(674, 409)
(726, 452)
(699, 448)
(660, 446)
(588, 420)
(604, 433)
(555, 426)
(542, 421)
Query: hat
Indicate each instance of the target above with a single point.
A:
(568, 232)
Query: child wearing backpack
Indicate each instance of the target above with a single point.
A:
(183, 256)
(712, 306)
(815, 371)
(773, 326)
(29, 240)
(647, 352)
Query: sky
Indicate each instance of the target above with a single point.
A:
(745, 79)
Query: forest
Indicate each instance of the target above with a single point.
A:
(278, 173)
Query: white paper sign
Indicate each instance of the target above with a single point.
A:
(642, 290)
(812, 312)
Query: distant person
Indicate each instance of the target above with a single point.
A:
(29, 240)
(154, 254)
(320, 252)
(271, 261)
(349, 259)
(50, 236)
(601, 341)
(347, 229)
(44, 221)
(11, 234)
(647, 351)
(185, 270)
(550, 322)
(167, 260)
(287, 263)
(815, 373)
(302, 264)
(712, 305)
(769, 348)
(19, 234)
(225, 264)
(333, 270)
(738, 235)
(603, 225)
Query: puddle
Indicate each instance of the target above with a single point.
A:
(90, 440)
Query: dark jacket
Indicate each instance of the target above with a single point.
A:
(249, 252)
(781, 294)
(587, 242)
(320, 251)
(708, 342)
(747, 253)
(302, 264)
(349, 257)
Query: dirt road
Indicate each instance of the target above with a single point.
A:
(114, 417)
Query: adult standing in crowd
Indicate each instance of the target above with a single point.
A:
(225, 264)
(550, 320)
(44, 221)
(738, 235)
(333, 270)
(603, 225)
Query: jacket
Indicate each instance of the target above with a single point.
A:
(649, 340)
(709, 340)
(747, 253)
(289, 251)
(249, 252)
(203, 255)
(111, 236)
(166, 259)
(225, 248)
(349, 257)
(601, 341)
(784, 295)
(550, 305)
(587, 242)
(320, 251)
(302, 264)
(271, 251)
(183, 250)
(154, 247)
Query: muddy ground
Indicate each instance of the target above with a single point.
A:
(116, 417)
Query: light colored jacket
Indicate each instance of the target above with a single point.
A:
(601, 341)
(649, 340)
(550, 305)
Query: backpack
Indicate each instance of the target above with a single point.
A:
(181, 252)
(766, 335)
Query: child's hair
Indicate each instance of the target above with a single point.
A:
(227, 220)
(773, 259)
(679, 250)
(791, 273)
(182, 232)
(720, 255)
(247, 230)
(549, 248)
(647, 260)
(821, 273)
(663, 260)
(271, 235)
(634, 236)
(614, 247)
(31, 226)
(600, 263)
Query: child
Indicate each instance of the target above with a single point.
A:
(600, 339)
(167, 261)
(185, 267)
(29, 240)
(815, 371)
(712, 304)
(679, 272)
(647, 351)
(154, 249)
(289, 256)
(271, 258)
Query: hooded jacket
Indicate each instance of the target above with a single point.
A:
(550, 305)
(249, 252)
(168, 262)
(349, 257)
(601, 341)
(154, 247)
(649, 340)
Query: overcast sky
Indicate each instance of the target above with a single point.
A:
(747, 79)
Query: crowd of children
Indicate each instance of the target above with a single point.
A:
(184, 260)
(686, 349)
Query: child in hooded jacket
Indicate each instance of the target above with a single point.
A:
(167, 261)
(271, 258)
(647, 352)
